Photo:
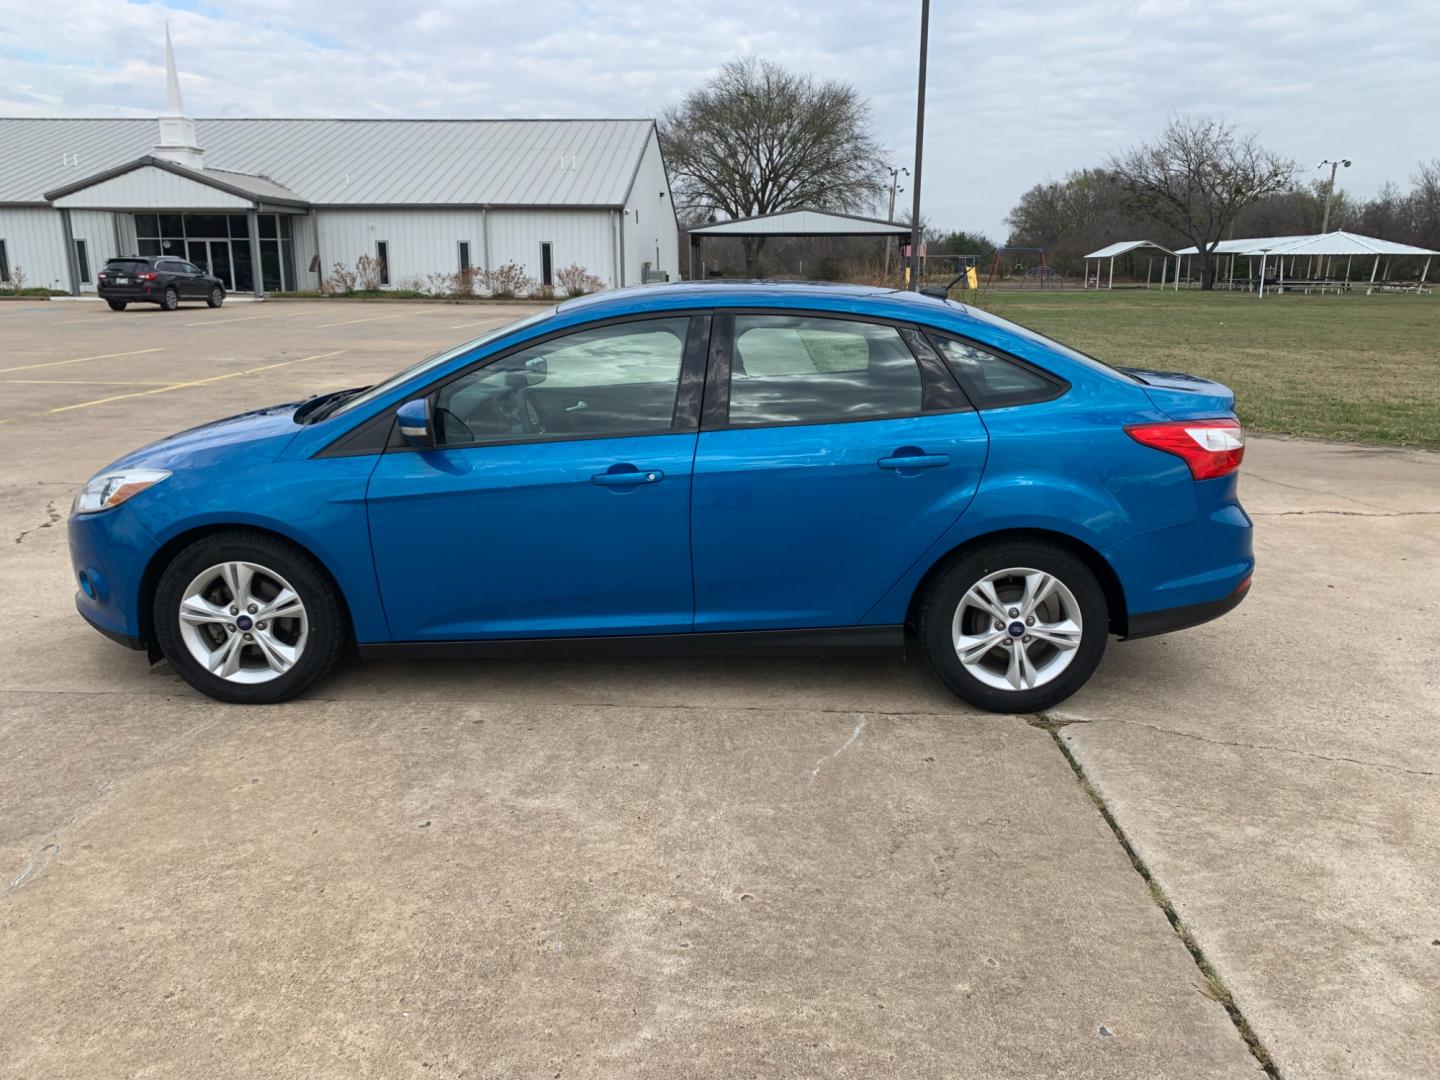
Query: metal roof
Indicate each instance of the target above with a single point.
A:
(1121, 247)
(803, 222)
(1333, 243)
(243, 184)
(353, 162)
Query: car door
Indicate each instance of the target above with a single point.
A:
(834, 452)
(173, 275)
(194, 281)
(557, 502)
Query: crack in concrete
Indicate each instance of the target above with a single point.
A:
(1250, 474)
(51, 847)
(50, 512)
(815, 772)
(1213, 986)
(1333, 759)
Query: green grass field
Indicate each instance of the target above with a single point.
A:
(1353, 368)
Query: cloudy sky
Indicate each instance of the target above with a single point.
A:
(1019, 91)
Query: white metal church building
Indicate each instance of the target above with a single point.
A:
(294, 197)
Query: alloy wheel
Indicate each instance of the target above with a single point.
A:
(1017, 629)
(243, 622)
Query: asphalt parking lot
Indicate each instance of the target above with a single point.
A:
(731, 867)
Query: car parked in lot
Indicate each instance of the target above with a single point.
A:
(160, 279)
(690, 467)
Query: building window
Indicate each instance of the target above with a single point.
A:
(547, 268)
(4, 262)
(82, 257)
(382, 255)
(464, 255)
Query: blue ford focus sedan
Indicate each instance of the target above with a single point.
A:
(687, 468)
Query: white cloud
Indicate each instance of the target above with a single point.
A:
(1019, 92)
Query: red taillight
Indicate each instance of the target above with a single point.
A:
(149, 275)
(1210, 447)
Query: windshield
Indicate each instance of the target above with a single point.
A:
(382, 388)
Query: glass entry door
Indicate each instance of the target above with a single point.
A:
(213, 256)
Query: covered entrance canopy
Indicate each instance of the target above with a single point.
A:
(1125, 247)
(799, 222)
(237, 226)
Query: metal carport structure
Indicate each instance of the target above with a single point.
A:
(1324, 246)
(1125, 247)
(798, 222)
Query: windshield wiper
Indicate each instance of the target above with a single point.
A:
(317, 408)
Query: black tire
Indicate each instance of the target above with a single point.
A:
(216, 297)
(328, 627)
(941, 601)
(117, 305)
(171, 300)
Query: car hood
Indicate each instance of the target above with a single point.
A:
(1185, 397)
(259, 435)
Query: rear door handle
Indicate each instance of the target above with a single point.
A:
(914, 461)
(628, 478)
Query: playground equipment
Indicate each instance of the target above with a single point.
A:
(1045, 277)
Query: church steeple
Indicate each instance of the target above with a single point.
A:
(177, 131)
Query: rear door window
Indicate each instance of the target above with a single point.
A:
(801, 370)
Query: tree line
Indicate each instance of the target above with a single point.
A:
(757, 139)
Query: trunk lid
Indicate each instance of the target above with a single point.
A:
(1185, 397)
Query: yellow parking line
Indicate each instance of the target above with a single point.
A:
(84, 382)
(372, 318)
(194, 382)
(223, 322)
(78, 360)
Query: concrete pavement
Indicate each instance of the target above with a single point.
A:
(787, 867)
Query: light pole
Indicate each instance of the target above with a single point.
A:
(895, 188)
(919, 147)
(1330, 189)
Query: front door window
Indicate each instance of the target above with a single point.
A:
(613, 380)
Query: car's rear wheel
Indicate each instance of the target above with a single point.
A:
(248, 618)
(170, 299)
(1014, 626)
(216, 297)
(116, 305)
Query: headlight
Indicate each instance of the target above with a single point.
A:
(110, 489)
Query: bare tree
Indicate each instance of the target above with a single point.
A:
(758, 139)
(1197, 177)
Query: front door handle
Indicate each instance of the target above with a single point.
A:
(905, 463)
(627, 478)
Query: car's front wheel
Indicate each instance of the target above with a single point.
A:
(248, 618)
(216, 297)
(1014, 626)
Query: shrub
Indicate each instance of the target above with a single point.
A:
(509, 281)
(577, 281)
(340, 281)
(368, 272)
(414, 285)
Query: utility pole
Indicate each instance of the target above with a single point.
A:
(1330, 189)
(919, 148)
(895, 171)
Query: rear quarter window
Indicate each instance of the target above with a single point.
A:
(992, 381)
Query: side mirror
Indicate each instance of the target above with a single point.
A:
(417, 423)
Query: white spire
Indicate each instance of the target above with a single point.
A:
(173, 105)
(177, 131)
